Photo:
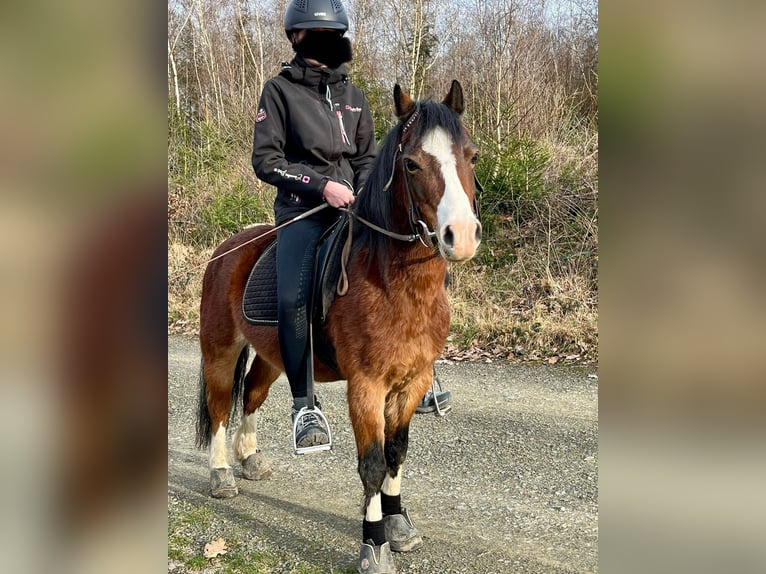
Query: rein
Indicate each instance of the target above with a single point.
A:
(401, 237)
(343, 280)
(241, 245)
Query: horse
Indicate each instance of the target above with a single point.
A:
(416, 213)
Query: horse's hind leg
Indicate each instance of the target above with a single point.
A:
(222, 374)
(255, 466)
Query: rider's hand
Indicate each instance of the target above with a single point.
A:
(337, 194)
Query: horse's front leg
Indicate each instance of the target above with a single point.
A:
(366, 402)
(400, 531)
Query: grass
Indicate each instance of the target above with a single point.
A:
(507, 309)
(185, 270)
(189, 530)
(514, 315)
(241, 562)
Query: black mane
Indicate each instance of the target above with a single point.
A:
(375, 203)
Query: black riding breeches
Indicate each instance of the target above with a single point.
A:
(295, 270)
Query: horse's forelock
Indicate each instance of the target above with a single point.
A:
(437, 115)
(429, 115)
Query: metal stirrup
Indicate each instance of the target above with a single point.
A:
(439, 411)
(315, 448)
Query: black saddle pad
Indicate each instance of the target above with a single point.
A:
(259, 304)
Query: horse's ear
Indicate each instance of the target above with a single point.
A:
(404, 104)
(454, 100)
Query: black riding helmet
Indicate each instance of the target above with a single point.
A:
(302, 14)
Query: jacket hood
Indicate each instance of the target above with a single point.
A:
(300, 72)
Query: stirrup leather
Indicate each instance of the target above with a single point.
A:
(315, 448)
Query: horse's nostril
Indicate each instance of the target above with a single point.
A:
(478, 232)
(449, 237)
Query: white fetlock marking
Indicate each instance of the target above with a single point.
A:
(245, 441)
(392, 486)
(218, 455)
(374, 510)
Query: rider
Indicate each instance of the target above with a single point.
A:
(315, 142)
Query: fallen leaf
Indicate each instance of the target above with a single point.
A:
(214, 548)
(553, 360)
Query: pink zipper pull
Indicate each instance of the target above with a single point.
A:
(342, 127)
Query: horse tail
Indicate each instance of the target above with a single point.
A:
(204, 424)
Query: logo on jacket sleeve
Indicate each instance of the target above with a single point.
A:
(294, 177)
(352, 109)
(260, 116)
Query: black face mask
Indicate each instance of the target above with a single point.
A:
(329, 48)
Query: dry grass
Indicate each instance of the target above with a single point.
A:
(512, 314)
(532, 290)
(504, 311)
(184, 286)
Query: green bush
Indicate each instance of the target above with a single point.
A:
(232, 211)
(513, 177)
(194, 147)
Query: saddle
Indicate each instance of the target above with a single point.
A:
(259, 303)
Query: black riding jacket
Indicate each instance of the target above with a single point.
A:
(312, 125)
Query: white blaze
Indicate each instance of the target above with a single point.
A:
(454, 205)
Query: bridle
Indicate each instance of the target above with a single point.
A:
(418, 227)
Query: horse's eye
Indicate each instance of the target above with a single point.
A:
(410, 165)
(475, 159)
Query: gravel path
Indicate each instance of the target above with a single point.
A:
(506, 482)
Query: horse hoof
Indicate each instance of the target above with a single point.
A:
(256, 467)
(401, 532)
(222, 483)
(376, 559)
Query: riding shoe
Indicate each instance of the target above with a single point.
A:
(311, 430)
(376, 559)
(427, 404)
(401, 532)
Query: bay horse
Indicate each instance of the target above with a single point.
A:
(388, 329)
